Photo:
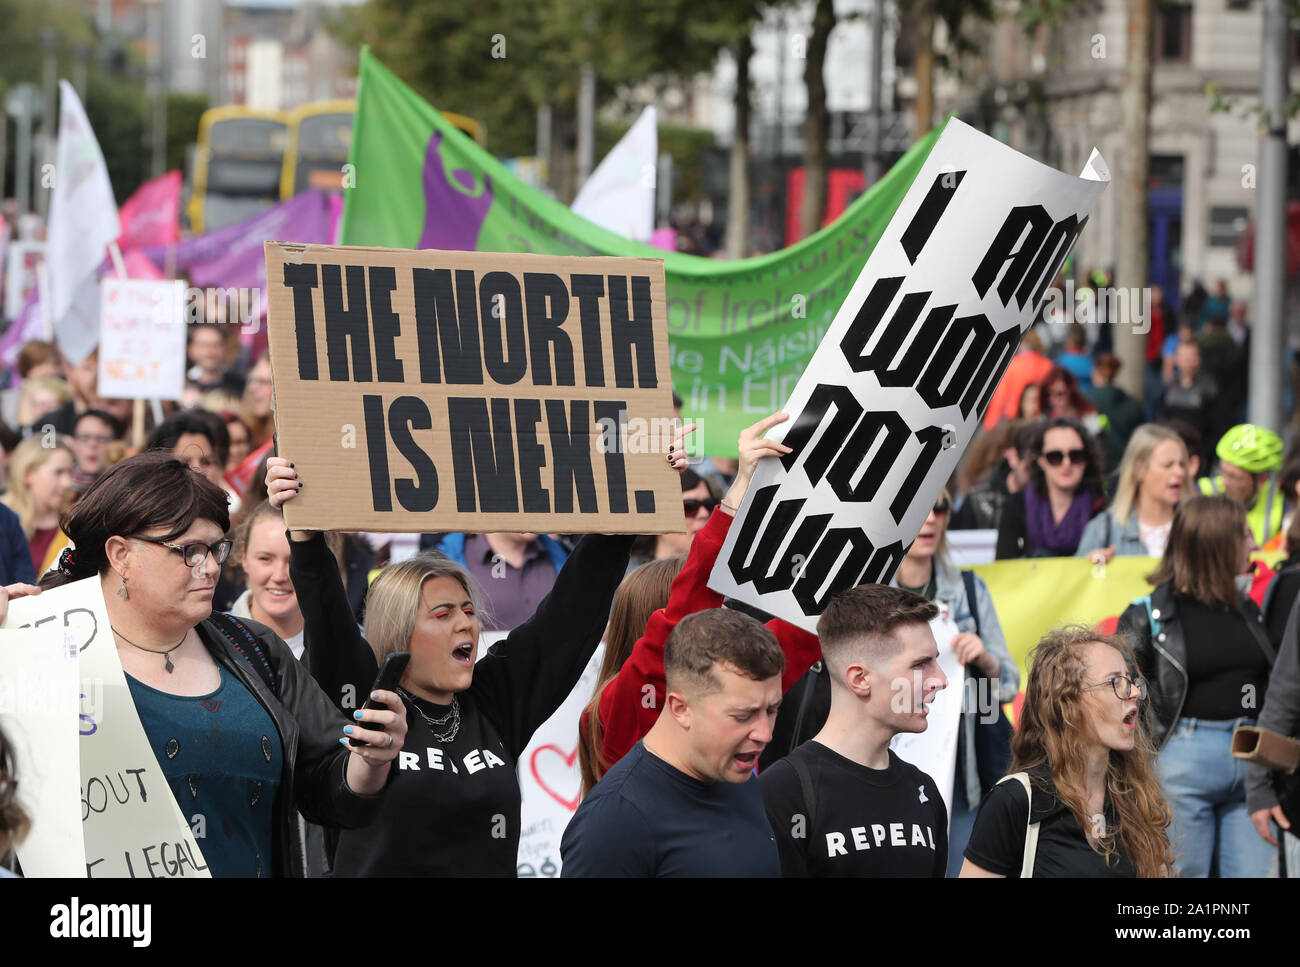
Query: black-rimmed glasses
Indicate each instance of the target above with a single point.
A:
(1124, 687)
(196, 552)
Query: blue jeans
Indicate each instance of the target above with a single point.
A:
(959, 830)
(1206, 789)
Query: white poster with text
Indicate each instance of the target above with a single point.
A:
(895, 391)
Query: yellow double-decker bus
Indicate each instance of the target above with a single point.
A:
(319, 138)
(237, 165)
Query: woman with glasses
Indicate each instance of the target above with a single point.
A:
(1152, 479)
(243, 734)
(1201, 644)
(1047, 517)
(991, 678)
(1081, 797)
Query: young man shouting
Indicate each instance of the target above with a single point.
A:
(843, 804)
(684, 801)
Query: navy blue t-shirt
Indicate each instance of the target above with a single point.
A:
(646, 818)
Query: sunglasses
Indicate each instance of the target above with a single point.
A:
(941, 508)
(1055, 458)
(692, 506)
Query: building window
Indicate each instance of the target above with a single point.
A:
(1227, 222)
(1172, 35)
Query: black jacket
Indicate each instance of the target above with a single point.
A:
(1163, 661)
(314, 778)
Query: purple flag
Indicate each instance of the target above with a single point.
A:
(233, 256)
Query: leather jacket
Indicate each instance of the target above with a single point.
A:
(313, 780)
(1162, 661)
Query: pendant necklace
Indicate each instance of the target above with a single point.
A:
(167, 655)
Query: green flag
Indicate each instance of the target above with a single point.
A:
(740, 332)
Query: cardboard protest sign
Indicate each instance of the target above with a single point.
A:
(142, 339)
(131, 825)
(462, 391)
(38, 714)
(895, 391)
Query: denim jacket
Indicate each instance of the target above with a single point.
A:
(1127, 539)
(950, 591)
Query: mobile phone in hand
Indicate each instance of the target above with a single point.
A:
(389, 675)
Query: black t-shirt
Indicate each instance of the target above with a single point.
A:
(863, 822)
(470, 783)
(647, 818)
(997, 843)
(1223, 658)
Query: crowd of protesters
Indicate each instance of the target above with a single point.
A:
(717, 740)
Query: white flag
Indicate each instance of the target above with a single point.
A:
(620, 194)
(83, 220)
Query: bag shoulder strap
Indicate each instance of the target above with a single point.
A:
(1031, 829)
(805, 782)
(1106, 540)
(968, 579)
(246, 644)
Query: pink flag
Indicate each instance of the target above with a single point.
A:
(152, 215)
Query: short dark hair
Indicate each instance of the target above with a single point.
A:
(719, 636)
(167, 433)
(859, 623)
(151, 489)
(108, 419)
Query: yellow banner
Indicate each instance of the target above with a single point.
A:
(1035, 595)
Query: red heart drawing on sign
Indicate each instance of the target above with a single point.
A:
(570, 804)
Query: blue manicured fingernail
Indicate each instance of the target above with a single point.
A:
(347, 729)
(343, 741)
(356, 714)
(374, 694)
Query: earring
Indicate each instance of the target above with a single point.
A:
(122, 592)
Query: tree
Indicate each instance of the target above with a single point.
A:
(1135, 114)
(919, 19)
(738, 198)
(816, 151)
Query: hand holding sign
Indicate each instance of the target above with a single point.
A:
(969, 648)
(14, 591)
(753, 447)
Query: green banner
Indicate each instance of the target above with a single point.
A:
(740, 332)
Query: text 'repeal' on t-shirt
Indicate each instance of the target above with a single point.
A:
(862, 822)
(997, 843)
(647, 818)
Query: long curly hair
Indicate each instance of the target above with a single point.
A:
(1052, 730)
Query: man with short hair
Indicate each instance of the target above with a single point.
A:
(208, 354)
(684, 801)
(843, 804)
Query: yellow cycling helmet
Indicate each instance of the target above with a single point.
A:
(1250, 447)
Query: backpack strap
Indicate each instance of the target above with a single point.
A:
(968, 579)
(245, 642)
(805, 782)
(810, 685)
(1106, 540)
(1031, 829)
